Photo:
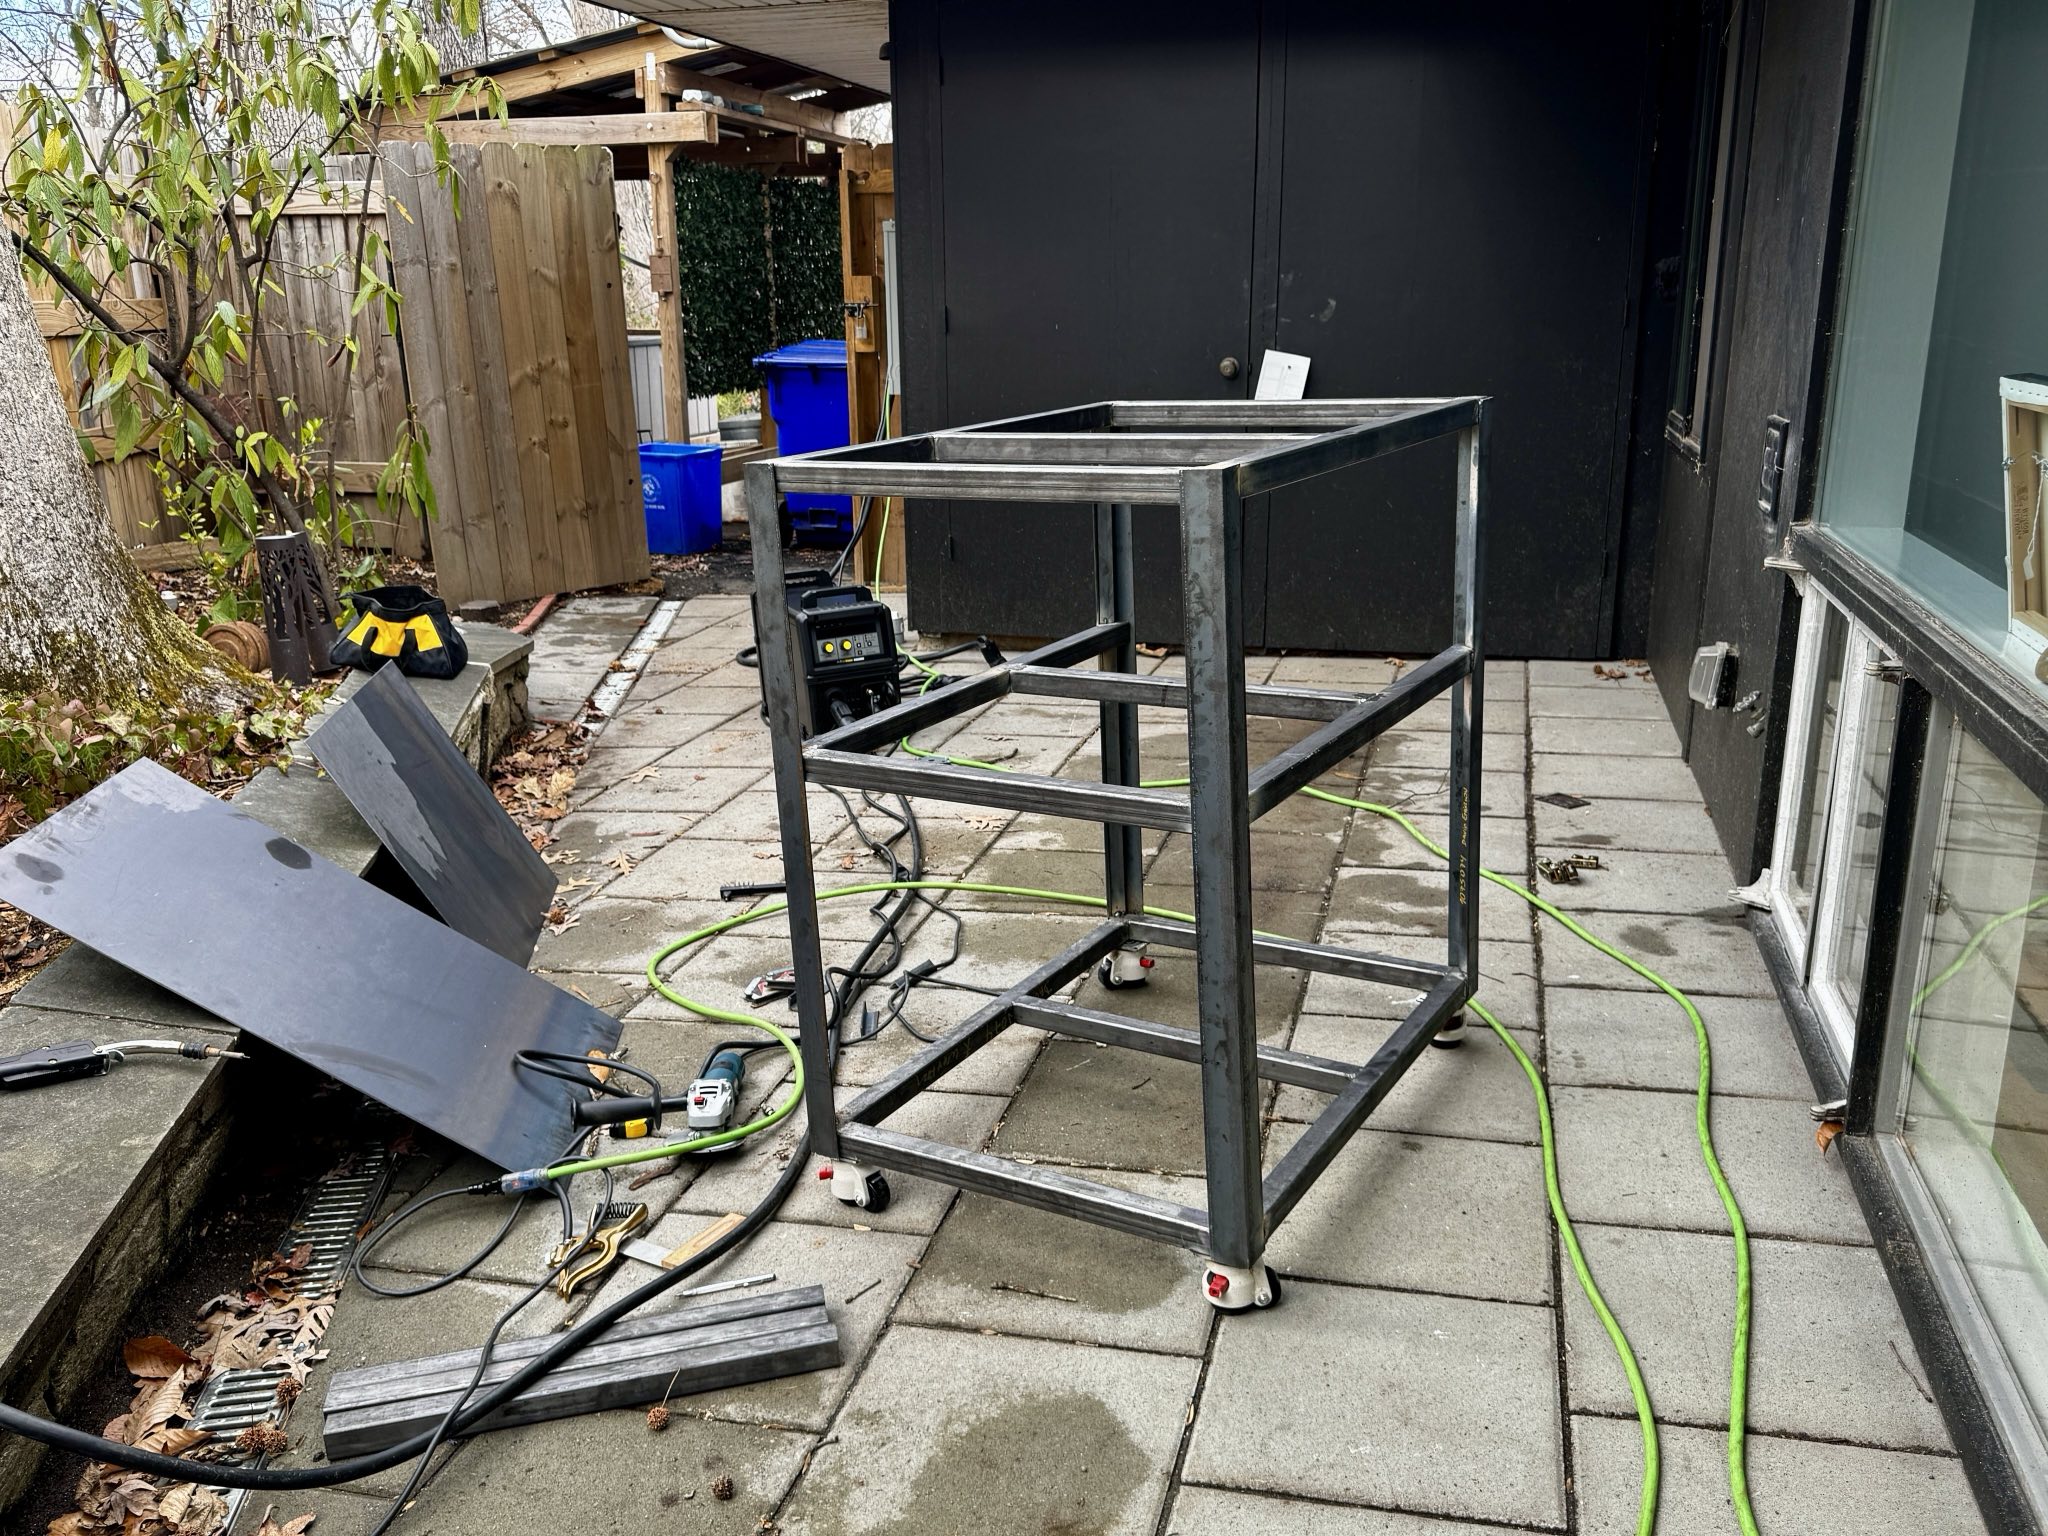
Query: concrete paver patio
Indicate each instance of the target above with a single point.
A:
(1433, 1368)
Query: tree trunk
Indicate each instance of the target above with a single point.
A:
(77, 618)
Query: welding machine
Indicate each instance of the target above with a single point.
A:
(842, 650)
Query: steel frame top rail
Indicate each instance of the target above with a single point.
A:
(1129, 452)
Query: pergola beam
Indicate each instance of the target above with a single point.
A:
(776, 111)
(613, 128)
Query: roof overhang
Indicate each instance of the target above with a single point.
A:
(834, 37)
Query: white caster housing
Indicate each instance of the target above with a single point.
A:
(862, 1188)
(1230, 1289)
(1126, 967)
(1450, 1035)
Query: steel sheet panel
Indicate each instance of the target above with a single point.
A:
(213, 905)
(435, 815)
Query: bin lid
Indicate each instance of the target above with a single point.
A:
(678, 450)
(806, 354)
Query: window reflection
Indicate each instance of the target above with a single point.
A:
(1975, 1084)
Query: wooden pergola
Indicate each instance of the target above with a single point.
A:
(650, 98)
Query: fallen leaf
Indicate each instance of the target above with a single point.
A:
(153, 1356)
(643, 775)
(622, 862)
(1825, 1133)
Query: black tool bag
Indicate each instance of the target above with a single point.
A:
(405, 624)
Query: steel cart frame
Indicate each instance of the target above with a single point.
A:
(1204, 457)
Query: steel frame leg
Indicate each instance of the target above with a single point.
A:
(792, 804)
(1123, 852)
(1467, 709)
(1212, 531)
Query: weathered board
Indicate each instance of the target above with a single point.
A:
(213, 905)
(514, 325)
(640, 1359)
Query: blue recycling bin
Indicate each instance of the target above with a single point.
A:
(806, 387)
(681, 489)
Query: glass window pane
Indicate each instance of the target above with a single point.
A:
(1941, 303)
(1818, 771)
(1857, 861)
(1975, 1078)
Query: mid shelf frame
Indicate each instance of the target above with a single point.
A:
(1204, 458)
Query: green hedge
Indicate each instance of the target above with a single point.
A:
(759, 268)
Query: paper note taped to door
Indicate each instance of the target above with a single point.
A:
(1282, 376)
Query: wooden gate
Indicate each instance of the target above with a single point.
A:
(514, 329)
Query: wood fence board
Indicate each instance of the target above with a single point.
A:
(566, 529)
(461, 324)
(496, 502)
(506, 191)
(621, 516)
(579, 326)
(408, 182)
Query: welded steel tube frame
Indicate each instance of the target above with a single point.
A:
(1204, 458)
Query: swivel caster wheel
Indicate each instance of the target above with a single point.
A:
(1451, 1035)
(1230, 1289)
(1127, 967)
(862, 1188)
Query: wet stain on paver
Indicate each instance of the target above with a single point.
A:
(1045, 1464)
(1642, 939)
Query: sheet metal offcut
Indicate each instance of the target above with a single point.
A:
(215, 906)
(435, 815)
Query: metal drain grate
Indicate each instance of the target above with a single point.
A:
(335, 1211)
(231, 1401)
(330, 1219)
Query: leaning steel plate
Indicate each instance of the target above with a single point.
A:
(436, 816)
(213, 905)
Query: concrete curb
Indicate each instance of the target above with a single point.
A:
(104, 1176)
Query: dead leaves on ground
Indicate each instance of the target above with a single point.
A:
(26, 946)
(1621, 671)
(266, 1323)
(533, 778)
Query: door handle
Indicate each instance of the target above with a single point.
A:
(1229, 367)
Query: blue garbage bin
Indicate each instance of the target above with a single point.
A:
(681, 488)
(806, 387)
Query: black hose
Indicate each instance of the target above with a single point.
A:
(289, 1479)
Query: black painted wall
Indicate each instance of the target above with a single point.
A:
(1102, 200)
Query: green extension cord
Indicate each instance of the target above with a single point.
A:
(1738, 1395)
(1581, 1269)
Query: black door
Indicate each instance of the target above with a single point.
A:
(1110, 199)
(1093, 198)
(1459, 213)
(1782, 294)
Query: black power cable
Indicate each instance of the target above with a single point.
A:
(294, 1479)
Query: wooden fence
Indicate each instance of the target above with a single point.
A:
(512, 349)
(515, 346)
(304, 322)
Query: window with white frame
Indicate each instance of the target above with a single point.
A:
(1831, 809)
